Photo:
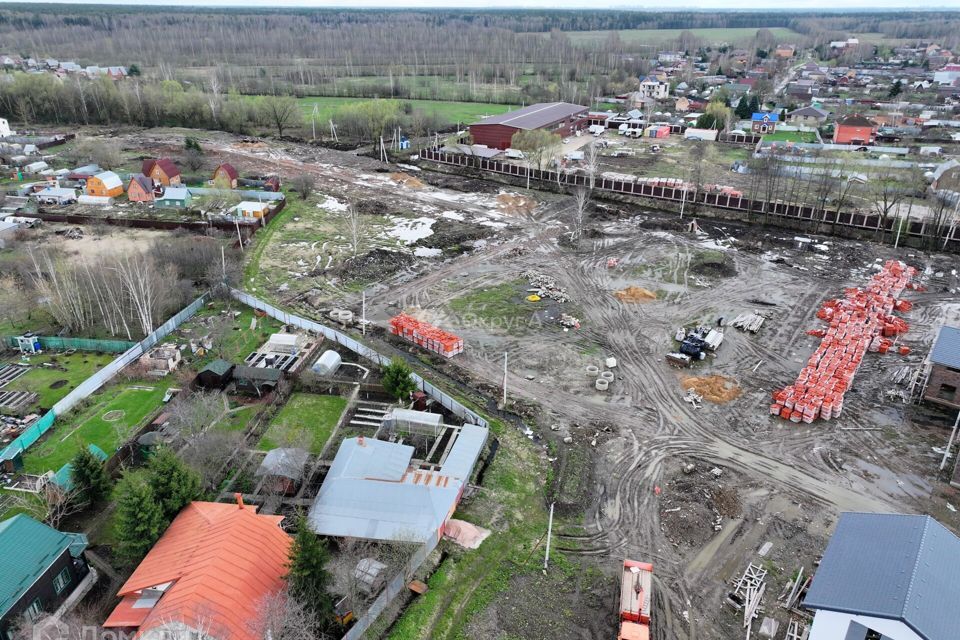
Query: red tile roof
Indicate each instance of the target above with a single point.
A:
(222, 560)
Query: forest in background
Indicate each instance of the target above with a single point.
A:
(498, 56)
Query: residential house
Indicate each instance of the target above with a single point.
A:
(225, 176)
(116, 73)
(249, 209)
(886, 576)
(174, 198)
(785, 51)
(682, 104)
(207, 575)
(947, 75)
(943, 369)
(654, 87)
(763, 123)
(106, 184)
(140, 189)
(163, 171)
(842, 45)
(374, 489)
(856, 130)
(807, 116)
(40, 568)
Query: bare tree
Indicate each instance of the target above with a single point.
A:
(304, 184)
(208, 453)
(282, 617)
(581, 201)
(50, 504)
(280, 111)
(193, 159)
(591, 162)
(192, 413)
(355, 229)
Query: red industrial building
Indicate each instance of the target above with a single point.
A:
(561, 118)
(855, 129)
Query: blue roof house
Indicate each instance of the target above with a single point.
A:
(762, 123)
(40, 568)
(889, 577)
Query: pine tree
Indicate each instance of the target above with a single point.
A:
(743, 108)
(139, 519)
(89, 476)
(308, 578)
(173, 483)
(754, 104)
(397, 381)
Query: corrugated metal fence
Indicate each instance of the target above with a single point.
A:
(391, 591)
(80, 344)
(360, 349)
(97, 380)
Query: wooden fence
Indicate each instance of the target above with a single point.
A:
(950, 237)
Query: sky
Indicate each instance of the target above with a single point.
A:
(549, 4)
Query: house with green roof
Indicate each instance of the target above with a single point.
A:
(39, 568)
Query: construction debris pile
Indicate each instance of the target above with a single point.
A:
(694, 344)
(545, 286)
(426, 335)
(861, 321)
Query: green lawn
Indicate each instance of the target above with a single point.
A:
(80, 366)
(790, 136)
(464, 112)
(137, 400)
(306, 421)
(656, 37)
(238, 420)
(502, 306)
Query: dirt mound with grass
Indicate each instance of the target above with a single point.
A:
(406, 180)
(716, 389)
(633, 295)
(375, 265)
(695, 503)
(515, 204)
(713, 264)
(57, 384)
(453, 236)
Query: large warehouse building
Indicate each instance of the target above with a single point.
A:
(561, 118)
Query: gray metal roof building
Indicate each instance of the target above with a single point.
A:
(372, 492)
(946, 349)
(536, 116)
(892, 566)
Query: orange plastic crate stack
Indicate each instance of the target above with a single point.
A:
(426, 335)
(859, 322)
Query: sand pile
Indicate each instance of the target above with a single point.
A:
(406, 180)
(635, 294)
(514, 203)
(717, 389)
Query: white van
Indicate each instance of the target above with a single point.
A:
(514, 154)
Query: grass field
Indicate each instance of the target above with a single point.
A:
(135, 400)
(238, 420)
(791, 136)
(453, 112)
(79, 365)
(659, 37)
(306, 421)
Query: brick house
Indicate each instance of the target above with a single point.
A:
(855, 129)
(761, 123)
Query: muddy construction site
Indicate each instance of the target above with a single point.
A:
(684, 468)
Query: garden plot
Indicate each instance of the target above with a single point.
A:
(115, 413)
(306, 421)
(51, 376)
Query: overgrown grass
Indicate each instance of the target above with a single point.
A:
(136, 401)
(452, 112)
(238, 420)
(306, 421)
(240, 340)
(502, 306)
(790, 136)
(39, 379)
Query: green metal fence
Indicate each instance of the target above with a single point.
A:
(80, 344)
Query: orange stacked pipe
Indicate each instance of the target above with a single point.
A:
(859, 322)
(426, 335)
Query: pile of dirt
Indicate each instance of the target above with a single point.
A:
(406, 180)
(372, 206)
(717, 389)
(375, 265)
(58, 383)
(516, 204)
(634, 294)
(715, 264)
(453, 236)
(694, 504)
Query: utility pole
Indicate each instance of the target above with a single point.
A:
(504, 380)
(313, 119)
(683, 201)
(363, 314)
(953, 434)
(546, 557)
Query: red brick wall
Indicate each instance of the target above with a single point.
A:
(940, 376)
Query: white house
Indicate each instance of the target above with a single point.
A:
(887, 577)
(651, 87)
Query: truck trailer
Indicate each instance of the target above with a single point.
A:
(636, 583)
